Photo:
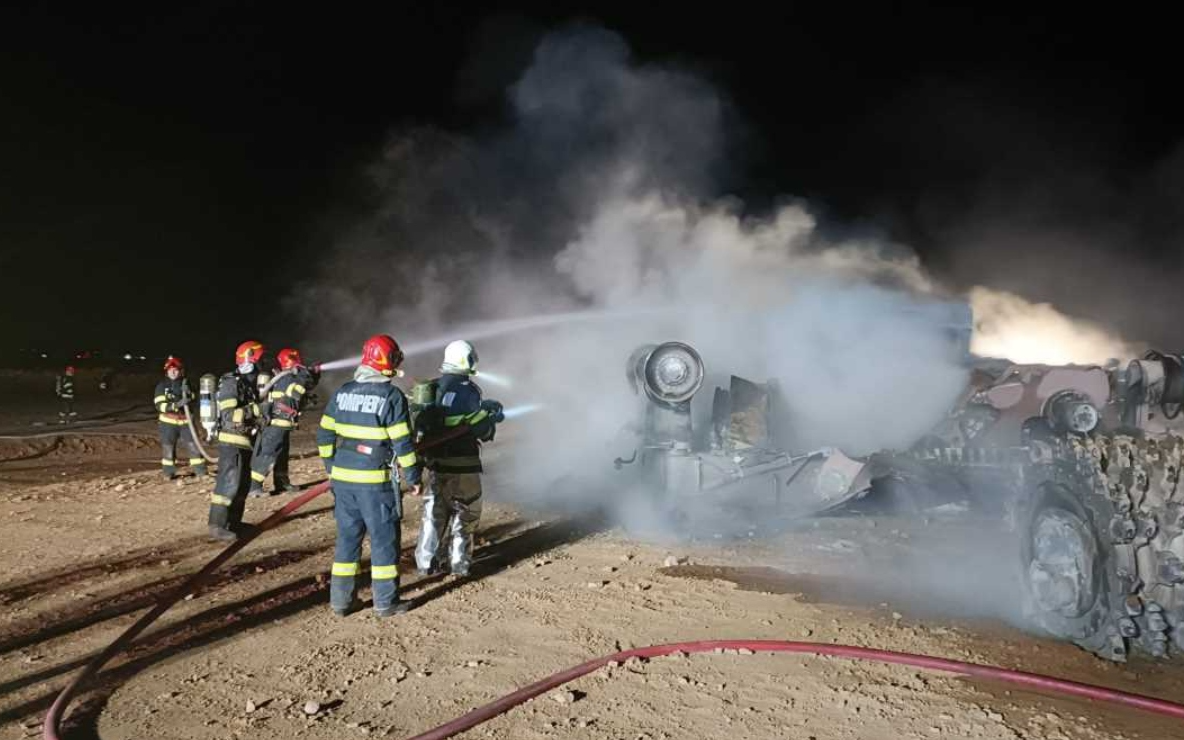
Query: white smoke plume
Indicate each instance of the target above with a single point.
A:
(1011, 327)
(600, 203)
(601, 197)
(773, 299)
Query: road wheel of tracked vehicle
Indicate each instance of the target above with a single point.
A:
(1064, 570)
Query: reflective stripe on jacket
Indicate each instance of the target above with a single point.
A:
(364, 427)
(459, 398)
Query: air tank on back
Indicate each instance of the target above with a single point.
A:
(207, 403)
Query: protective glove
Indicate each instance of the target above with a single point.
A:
(494, 409)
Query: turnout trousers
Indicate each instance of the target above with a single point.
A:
(361, 509)
(170, 435)
(273, 450)
(451, 513)
(230, 488)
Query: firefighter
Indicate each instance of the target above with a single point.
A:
(281, 414)
(452, 505)
(364, 432)
(172, 397)
(238, 420)
(64, 388)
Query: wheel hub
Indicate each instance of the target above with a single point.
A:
(1061, 571)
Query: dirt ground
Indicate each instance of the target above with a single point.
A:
(91, 535)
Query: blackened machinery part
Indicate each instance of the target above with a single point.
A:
(1068, 593)
(738, 473)
(635, 367)
(1172, 402)
(672, 373)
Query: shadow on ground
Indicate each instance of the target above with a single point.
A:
(506, 548)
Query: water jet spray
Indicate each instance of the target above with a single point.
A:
(496, 379)
(490, 329)
(515, 412)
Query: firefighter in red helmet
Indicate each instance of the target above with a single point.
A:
(281, 413)
(364, 434)
(172, 397)
(64, 389)
(238, 422)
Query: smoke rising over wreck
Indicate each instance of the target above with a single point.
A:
(604, 199)
(604, 194)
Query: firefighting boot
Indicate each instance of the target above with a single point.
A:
(401, 606)
(342, 597)
(222, 534)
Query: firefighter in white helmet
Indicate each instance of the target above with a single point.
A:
(452, 506)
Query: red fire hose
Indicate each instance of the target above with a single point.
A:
(1034, 680)
(54, 717)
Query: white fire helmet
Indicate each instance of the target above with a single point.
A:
(460, 357)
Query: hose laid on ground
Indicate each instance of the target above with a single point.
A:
(53, 718)
(82, 428)
(87, 432)
(1032, 680)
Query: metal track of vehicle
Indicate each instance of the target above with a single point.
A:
(1103, 544)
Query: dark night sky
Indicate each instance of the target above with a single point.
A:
(167, 172)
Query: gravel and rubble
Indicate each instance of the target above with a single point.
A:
(257, 653)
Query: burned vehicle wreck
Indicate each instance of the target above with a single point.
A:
(1082, 465)
(1079, 465)
(738, 462)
